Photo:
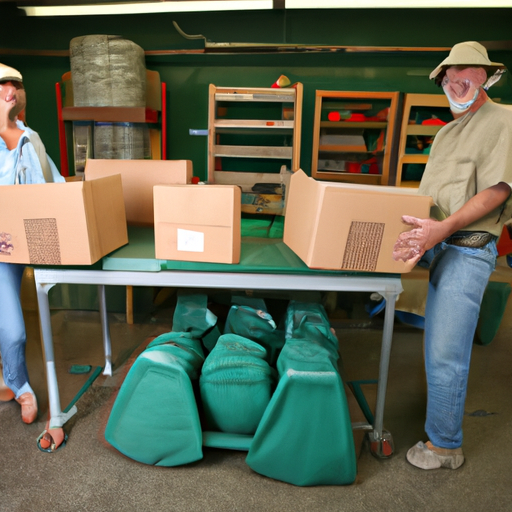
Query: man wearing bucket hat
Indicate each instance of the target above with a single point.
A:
(23, 159)
(469, 176)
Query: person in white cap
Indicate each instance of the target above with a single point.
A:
(23, 159)
(469, 176)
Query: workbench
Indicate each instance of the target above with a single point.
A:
(266, 264)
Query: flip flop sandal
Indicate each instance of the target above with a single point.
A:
(51, 448)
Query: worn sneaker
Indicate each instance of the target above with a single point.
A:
(426, 456)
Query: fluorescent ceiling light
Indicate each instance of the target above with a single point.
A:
(393, 4)
(147, 7)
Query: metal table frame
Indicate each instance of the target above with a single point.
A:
(45, 278)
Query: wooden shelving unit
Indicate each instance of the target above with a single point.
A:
(358, 147)
(434, 104)
(254, 138)
(229, 111)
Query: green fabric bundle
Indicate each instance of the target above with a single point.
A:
(155, 419)
(235, 385)
(256, 325)
(305, 436)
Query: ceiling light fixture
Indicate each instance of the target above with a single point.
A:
(394, 4)
(149, 7)
(146, 7)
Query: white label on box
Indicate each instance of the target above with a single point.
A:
(191, 241)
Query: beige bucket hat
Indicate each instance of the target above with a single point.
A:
(7, 74)
(469, 53)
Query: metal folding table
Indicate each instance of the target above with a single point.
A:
(265, 264)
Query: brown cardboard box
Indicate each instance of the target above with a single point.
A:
(198, 223)
(74, 223)
(139, 178)
(342, 226)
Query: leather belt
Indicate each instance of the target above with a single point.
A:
(475, 239)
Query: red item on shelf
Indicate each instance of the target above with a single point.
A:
(354, 167)
(334, 116)
(194, 180)
(435, 121)
(357, 117)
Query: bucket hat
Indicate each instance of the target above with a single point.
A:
(7, 74)
(469, 53)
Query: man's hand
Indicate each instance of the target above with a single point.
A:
(425, 233)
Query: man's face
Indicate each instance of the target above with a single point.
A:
(460, 84)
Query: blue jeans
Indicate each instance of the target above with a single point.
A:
(12, 329)
(458, 278)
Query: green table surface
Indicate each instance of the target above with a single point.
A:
(258, 255)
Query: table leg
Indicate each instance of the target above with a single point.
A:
(106, 330)
(381, 441)
(57, 417)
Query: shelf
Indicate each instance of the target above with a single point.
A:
(436, 105)
(110, 114)
(348, 125)
(239, 130)
(377, 136)
(336, 148)
(261, 124)
(419, 129)
(410, 184)
(367, 179)
(238, 94)
(254, 151)
(413, 159)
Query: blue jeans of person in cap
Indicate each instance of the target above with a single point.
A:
(12, 329)
(458, 278)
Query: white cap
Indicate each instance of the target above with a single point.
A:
(7, 74)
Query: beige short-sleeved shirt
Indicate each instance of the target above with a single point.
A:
(470, 154)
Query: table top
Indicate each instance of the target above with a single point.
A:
(258, 255)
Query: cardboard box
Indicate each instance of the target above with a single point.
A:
(342, 226)
(198, 223)
(74, 223)
(139, 177)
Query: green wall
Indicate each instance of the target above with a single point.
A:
(35, 47)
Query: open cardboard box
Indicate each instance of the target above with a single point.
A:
(139, 177)
(343, 226)
(74, 223)
(198, 223)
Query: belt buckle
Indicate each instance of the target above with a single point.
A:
(474, 240)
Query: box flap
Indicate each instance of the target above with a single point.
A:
(139, 177)
(106, 219)
(304, 199)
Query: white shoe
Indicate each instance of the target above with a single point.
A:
(426, 456)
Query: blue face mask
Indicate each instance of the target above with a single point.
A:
(460, 108)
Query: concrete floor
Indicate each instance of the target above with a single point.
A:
(90, 475)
